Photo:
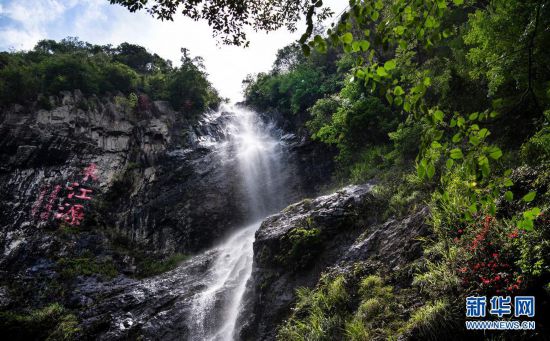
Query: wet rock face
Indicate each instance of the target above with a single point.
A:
(157, 184)
(295, 246)
(152, 309)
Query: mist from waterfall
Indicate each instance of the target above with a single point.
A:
(259, 155)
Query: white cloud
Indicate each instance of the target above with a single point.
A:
(29, 21)
(19, 39)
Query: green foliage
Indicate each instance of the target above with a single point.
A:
(537, 149)
(87, 265)
(52, 322)
(300, 246)
(455, 90)
(147, 267)
(230, 20)
(322, 309)
(295, 83)
(503, 37)
(129, 69)
(431, 321)
(357, 122)
(352, 307)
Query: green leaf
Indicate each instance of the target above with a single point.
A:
(474, 140)
(420, 170)
(389, 97)
(495, 153)
(526, 224)
(472, 208)
(398, 100)
(430, 171)
(347, 38)
(529, 196)
(380, 71)
(390, 65)
(374, 15)
(438, 116)
(398, 91)
(430, 22)
(460, 122)
(484, 165)
(532, 214)
(483, 133)
(473, 116)
(399, 30)
(457, 137)
(458, 2)
(456, 154)
(427, 81)
(509, 196)
(453, 123)
(364, 45)
(321, 46)
(508, 183)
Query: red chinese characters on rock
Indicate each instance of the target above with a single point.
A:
(83, 192)
(73, 214)
(90, 172)
(71, 208)
(38, 203)
(51, 200)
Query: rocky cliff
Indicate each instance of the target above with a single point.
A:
(96, 194)
(292, 249)
(96, 187)
(333, 232)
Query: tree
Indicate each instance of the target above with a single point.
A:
(229, 19)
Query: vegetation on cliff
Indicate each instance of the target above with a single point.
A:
(447, 104)
(70, 64)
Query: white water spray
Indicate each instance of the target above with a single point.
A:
(258, 154)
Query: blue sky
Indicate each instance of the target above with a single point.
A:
(24, 22)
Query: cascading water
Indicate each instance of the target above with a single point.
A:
(259, 156)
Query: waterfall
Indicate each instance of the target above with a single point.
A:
(253, 145)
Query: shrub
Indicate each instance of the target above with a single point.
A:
(537, 149)
(486, 263)
(431, 321)
(52, 322)
(319, 313)
(87, 265)
(147, 267)
(299, 247)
